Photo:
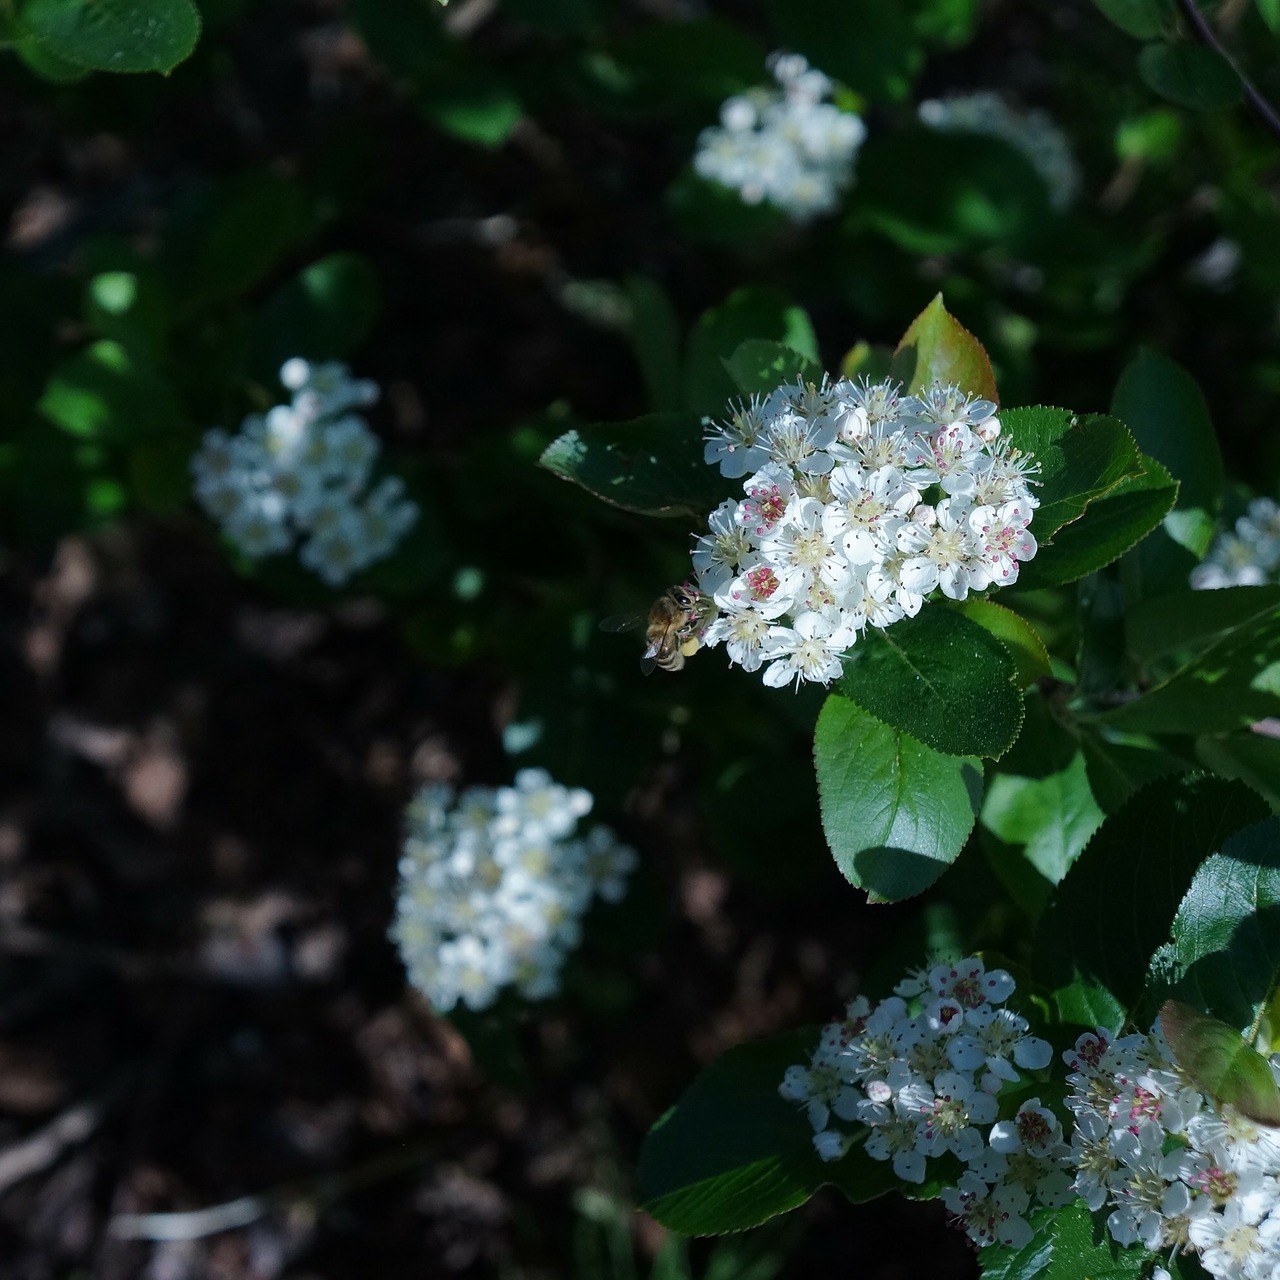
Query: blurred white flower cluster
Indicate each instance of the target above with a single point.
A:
(859, 503)
(1175, 1170)
(302, 472)
(494, 884)
(923, 1072)
(1033, 133)
(1247, 557)
(788, 146)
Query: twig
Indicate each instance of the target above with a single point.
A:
(1208, 36)
(45, 1147)
(192, 1225)
(318, 1191)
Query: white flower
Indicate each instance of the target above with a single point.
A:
(1249, 557)
(1035, 1129)
(493, 887)
(946, 1114)
(810, 651)
(821, 1089)
(303, 468)
(1230, 1243)
(985, 1216)
(736, 445)
(718, 553)
(943, 554)
(968, 982)
(867, 502)
(788, 145)
(743, 631)
(1004, 539)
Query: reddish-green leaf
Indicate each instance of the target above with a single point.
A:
(938, 348)
(1221, 1062)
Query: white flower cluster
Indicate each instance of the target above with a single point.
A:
(859, 503)
(1033, 133)
(302, 471)
(788, 146)
(1176, 1171)
(923, 1071)
(493, 887)
(1247, 557)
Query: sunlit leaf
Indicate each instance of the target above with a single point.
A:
(942, 678)
(896, 813)
(938, 348)
(115, 35)
(1115, 906)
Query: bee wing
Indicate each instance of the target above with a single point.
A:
(624, 621)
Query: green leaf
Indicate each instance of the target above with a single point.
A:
(1153, 137)
(1114, 906)
(1254, 758)
(751, 312)
(654, 330)
(1217, 1058)
(1052, 818)
(103, 394)
(948, 22)
(1112, 525)
(732, 1153)
(1066, 1245)
(45, 63)
(471, 102)
(1160, 402)
(863, 360)
(935, 192)
(759, 365)
(323, 313)
(1118, 768)
(941, 678)
(1224, 948)
(698, 60)
(1270, 11)
(255, 220)
(896, 814)
(1080, 458)
(115, 35)
(1014, 632)
(652, 466)
(1142, 19)
(131, 308)
(558, 17)
(938, 348)
(1195, 620)
(1233, 683)
(159, 474)
(408, 39)
(864, 43)
(1190, 75)
(1164, 408)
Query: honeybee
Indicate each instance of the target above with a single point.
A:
(672, 627)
